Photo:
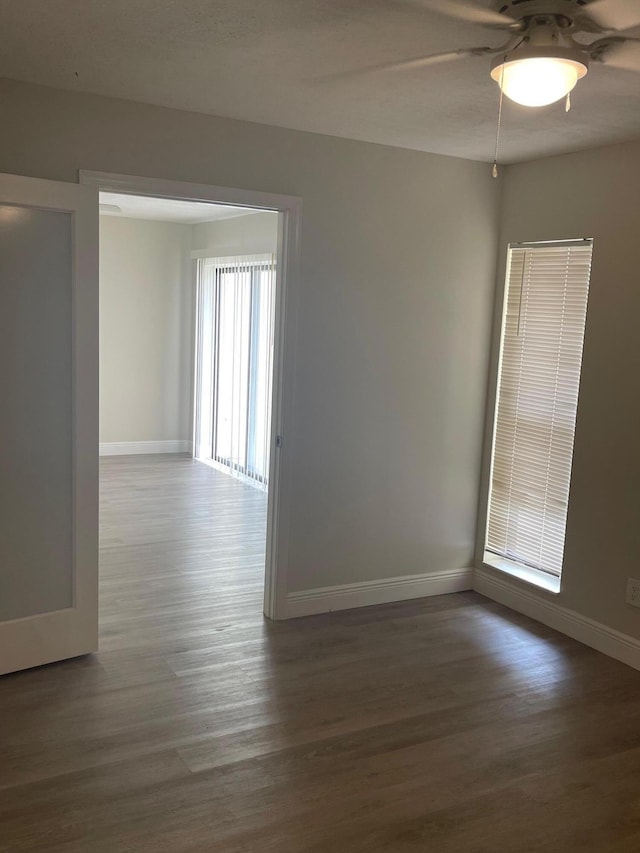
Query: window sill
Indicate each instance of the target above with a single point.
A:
(523, 573)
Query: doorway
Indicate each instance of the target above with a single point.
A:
(248, 283)
(186, 343)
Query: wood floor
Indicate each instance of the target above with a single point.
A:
(447, 725)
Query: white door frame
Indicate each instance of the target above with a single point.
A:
(289, 221)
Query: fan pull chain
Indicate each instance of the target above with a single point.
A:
(494, 170)
(567, 105)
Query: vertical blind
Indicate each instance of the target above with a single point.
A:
(235, 363)
(539, 376)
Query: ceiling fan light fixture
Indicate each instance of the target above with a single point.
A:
(540, 78)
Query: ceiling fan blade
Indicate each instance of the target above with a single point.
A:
(467, 10)
(613, 14)
(411, 64)
(618, 53)
(435, 59)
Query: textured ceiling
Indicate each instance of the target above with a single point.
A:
(265, 60)
(167, 209)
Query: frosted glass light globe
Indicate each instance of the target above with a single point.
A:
(538, 81)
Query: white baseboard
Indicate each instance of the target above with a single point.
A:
(328, 598)
(620, 646)
(132, 448)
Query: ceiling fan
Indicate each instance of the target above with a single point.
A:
(542, 61)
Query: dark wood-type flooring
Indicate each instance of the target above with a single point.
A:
(446, 725)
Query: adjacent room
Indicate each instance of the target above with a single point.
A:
(320, 459)
(187, 299)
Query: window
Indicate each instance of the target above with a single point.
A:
(234, 360)
(538, 380)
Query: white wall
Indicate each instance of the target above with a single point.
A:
(145, 331)
(395, 297)
(147, 320)
(253, 234)
(595, 194)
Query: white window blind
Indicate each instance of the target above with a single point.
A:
(538, 381)
(234, 364)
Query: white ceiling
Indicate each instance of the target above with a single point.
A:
(264, 60)
(167, 209)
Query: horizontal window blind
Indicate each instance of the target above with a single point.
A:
(538, 382)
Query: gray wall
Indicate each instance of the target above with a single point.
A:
(145, 330)
(396, 291)
(595, 194)
(396, 288)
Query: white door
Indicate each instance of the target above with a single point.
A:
(48, 421)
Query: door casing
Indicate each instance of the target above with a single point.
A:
(289, 209)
